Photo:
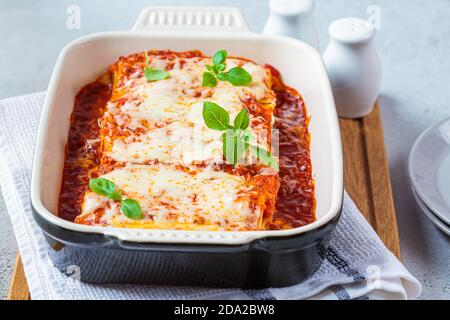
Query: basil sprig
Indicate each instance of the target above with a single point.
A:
(107, 188)
(152, 74)
(237, 76)
(236, 138)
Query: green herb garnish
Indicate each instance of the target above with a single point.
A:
(107, 188)
(152, 74)
(131, 209)
(215, 116)
(209, 80)
(242, 120)
(236, 138)
(220, 57)
(237, 76)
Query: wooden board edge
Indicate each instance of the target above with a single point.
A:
(18, 289)
(366, 175)
(380, 181)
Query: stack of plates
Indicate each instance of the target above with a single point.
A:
(429, 171)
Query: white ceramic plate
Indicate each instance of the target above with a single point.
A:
(437, 222)
(429, 169)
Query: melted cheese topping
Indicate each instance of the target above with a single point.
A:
(162, 120)
(171, 196)
(176, 142)
(159, 152)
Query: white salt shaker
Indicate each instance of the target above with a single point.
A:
(293, 18)
(353, 67)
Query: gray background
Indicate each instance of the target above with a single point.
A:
(413, 44)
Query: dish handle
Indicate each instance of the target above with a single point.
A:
(196, 19)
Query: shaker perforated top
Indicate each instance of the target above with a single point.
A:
(351, 30)
(291, 7)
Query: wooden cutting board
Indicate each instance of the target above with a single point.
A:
(366, 175)
(366, 179)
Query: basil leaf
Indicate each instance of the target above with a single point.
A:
(215, 117)
(209, 80)
(238, 76)
(104, 187)
(266, 157)
(131, 209)
(211, 69)
(220, 67)
(242, 120)
(155, 74)
(220, 57)
(222, 76)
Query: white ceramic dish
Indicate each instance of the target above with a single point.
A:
(429, 169)
(436, 221)
(181, 29)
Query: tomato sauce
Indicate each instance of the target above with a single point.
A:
(83, 150)
(295, 204)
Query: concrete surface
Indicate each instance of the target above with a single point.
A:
(413, 44)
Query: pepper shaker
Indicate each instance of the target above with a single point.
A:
(293, 18)
(353, 67)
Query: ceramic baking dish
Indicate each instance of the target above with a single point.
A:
(248, 259)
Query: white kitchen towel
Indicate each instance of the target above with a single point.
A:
(356, 264)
